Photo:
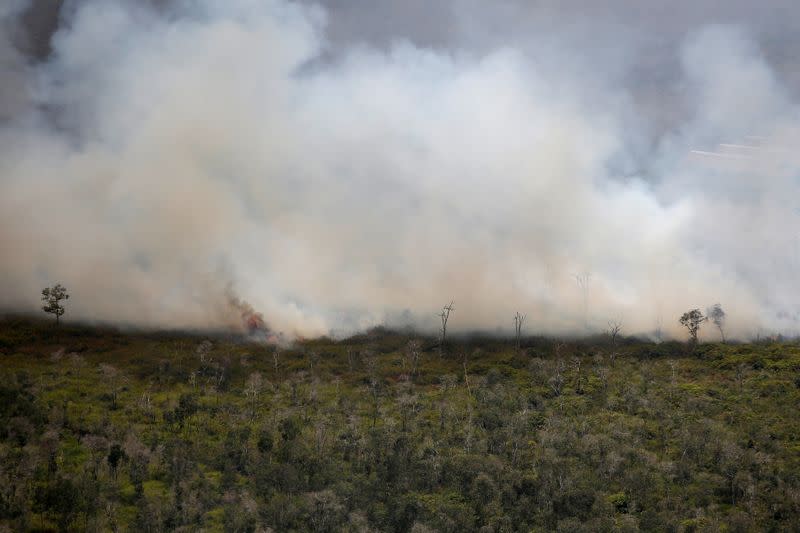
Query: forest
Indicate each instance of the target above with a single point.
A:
(110, 430)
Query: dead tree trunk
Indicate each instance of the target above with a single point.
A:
(444, 316)
(518, 320)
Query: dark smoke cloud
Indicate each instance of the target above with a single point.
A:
(350, 164)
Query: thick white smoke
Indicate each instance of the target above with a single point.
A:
(159, 158)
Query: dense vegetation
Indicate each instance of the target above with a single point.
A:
(107, 431)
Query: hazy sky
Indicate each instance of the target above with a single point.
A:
(342, 164)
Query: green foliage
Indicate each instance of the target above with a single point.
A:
(692, 321)
(146, 432)
(52, 297)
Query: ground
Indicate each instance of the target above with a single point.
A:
(106, 430)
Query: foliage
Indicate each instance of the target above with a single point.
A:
(156, 432)
(692, 321)
(52, 297)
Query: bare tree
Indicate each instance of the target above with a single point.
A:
(276, 354)
(717, 317)
(556, 380)
(576, 365)
(466, 376)
(252, 390)
(414, 349)
(673, 365)
(614, 328)
(445, 316)
(692, 321)
(518, 320)
(408, 405)
(352, 357)
(52, 296)
(558, 347)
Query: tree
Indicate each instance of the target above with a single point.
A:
(252, 390)
(692, 320)
(717, 316)
(518, 320)
(413, 351)
(52, 296)
(613, 331)
(276, 353)
(445, 316)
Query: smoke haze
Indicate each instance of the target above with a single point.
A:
(343, 165)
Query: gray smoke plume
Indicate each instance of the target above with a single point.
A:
(340, 171)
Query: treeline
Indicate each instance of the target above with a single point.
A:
(112, 432)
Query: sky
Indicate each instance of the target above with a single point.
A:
(344, 164)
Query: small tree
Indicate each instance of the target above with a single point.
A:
(518, 320)
(252, 390)
(692, 320)
(52, 296)
(276, 354)
(413, 351)
(445, 316)
(613, 331)
(717, 316)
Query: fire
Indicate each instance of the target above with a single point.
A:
(252, 322)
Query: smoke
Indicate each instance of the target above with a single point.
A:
(166, 156)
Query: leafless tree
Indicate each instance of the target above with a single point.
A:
(614, 328)
(613, 331)
(576, 365)
(518, 320)
(352, 357)
(558, 348)
(602, 374)
(466, 376)
(215, 377)
(414, 349)
(444, 316)
(673, 365)
(276, 354)
(252, 390)
(557, 379)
